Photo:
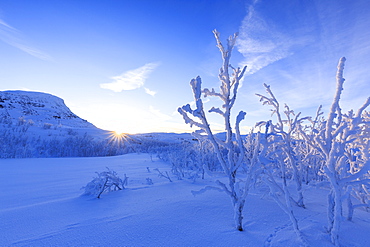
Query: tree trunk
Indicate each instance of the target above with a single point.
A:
(238, 214)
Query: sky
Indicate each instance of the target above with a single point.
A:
(126, 65)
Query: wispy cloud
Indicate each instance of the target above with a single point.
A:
(13, 37)
(261, 43)
(131, 79)
(150, 92)
(305, 42)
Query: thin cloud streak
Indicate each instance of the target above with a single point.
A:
(12, 36)
(132, 79)
(261, 44)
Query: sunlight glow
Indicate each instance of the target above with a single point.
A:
(118, 133)
(118, 136)
(120, 140)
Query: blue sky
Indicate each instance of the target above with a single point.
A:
(126, 65)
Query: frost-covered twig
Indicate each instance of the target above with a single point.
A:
(162, 175)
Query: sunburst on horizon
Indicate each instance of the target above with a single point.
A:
(118, 137)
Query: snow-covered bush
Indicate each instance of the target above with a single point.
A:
(106, 181)
(284, 162)
(163, 174)
(230, 152)
(187, 159)
(334, 151)
(47, 126)
(21, 121)
(282, 134)
(343, 141)
(15, 142)
(149, 181)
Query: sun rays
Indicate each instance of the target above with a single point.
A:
(118, 138)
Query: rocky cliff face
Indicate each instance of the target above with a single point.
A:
(40, 109)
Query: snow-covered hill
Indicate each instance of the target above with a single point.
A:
(38, 108)
(35, 124)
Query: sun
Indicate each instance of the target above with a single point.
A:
(118, 137)
(118, 133)
(118, 130)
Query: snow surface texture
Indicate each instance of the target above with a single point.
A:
(41, 205)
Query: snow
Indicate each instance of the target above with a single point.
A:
(41, 204)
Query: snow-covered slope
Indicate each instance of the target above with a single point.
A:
(34, 124)
(42, 115)
(38, 108)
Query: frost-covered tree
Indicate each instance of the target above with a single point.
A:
(230, 152)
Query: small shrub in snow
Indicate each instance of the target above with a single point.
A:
(163, 175)
(149, 181)
(47, 126)
(21, 121)
(71, 132)
(106, 181)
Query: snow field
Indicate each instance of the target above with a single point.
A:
(41, 205)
